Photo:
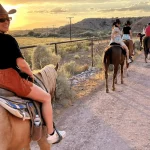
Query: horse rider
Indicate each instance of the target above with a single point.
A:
(11, 58)
(147, 36)
(116, 37)
(147, 30)
(127, 35)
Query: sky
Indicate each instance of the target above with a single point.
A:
(54, 13)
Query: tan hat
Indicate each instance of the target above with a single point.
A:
(4, 12)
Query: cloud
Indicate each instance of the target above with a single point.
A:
(142, 6)
(14, 2)
(52, 11)
(58, 10)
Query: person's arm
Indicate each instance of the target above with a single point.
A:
(130, 32)
(24, 67)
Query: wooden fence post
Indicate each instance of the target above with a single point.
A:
(92, 52)
(55, 48)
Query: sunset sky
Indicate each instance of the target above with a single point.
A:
(53, 13)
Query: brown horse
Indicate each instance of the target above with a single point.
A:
(114, 55)
(146, 43)
(130, 45)
(14, 132)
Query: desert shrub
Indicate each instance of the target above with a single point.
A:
(42, 56)
(64, 94)
(79, 45)
(76, 56)
(86, 48)
(70, 48)
(137, 44)
(27, 54)
(98, 61)
(71, 68)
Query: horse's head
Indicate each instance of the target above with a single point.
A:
(48, 76)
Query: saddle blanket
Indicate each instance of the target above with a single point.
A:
(17, 109)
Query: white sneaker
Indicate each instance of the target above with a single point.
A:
(129, 61)
(56, 137)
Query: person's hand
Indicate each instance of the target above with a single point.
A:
(31, 78)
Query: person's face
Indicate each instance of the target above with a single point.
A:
(4, 23)
(118, 24)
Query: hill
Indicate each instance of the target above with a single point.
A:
(88, 27)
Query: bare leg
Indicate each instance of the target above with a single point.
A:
(40, 95)
(130, 48)
(127, 50)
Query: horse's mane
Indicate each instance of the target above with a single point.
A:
(48, 75)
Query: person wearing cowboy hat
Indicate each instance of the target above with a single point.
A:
(11, 59)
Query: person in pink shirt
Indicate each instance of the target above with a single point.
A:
(147, 30)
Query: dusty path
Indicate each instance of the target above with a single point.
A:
(119, 120)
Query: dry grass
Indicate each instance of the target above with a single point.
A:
(25, 41)
(85, 88)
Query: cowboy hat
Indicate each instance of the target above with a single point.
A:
(4, 12)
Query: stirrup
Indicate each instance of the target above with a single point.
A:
(59, 135)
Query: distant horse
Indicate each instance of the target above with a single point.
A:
(130, 45)
(146, 43)
(14, 132)
(140, 35)
(114, 55)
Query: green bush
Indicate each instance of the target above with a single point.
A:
(42, 56)
(64, 93)
(76, 56)
(71, 68)
(27, 54)
(137, 44)
(98, 61)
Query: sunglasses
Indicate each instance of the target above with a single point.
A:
(4, 19)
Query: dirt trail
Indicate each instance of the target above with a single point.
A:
(119, 120)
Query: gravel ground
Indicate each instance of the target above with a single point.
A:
(117, 120)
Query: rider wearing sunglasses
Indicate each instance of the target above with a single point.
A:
(11, 58)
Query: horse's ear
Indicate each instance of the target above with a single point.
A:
(56, 68)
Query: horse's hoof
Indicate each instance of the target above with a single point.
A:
(113, 89)
(107, 91)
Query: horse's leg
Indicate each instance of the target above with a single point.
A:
(145, 52)
(106, 77)
(43, 144)
(14, 132)
(122, 73)
(20, 133)
(114, 76)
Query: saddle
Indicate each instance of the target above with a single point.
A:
(24, 108)
(117, 44)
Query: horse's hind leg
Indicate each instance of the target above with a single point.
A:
(106, 77)
(114, 77)
(146, 57)
(122, 73)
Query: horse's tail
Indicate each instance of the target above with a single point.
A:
(104, 60)
(107, 53)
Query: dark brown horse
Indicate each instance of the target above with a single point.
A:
(146, 43)
(130, 45)
(114, 55)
